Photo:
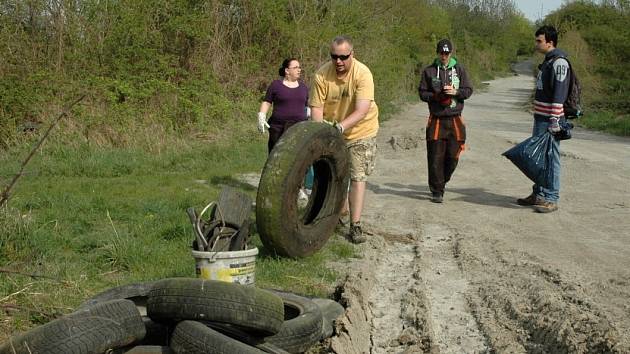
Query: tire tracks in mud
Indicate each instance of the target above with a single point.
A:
(398, 319)
(525, 307)
(412, 295)
(408, 295)
(454, 326)
(428, 288)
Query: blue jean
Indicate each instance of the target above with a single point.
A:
(549, 194)
(309, 178)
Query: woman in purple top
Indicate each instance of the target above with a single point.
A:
(289, 97)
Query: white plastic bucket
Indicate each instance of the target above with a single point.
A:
(232, 266)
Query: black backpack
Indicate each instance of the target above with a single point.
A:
(573, 103)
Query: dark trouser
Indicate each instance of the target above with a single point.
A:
(275, 132)
(445, 142)
(276, 129)
(442, 156)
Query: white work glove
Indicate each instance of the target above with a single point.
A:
(554, 127)
(335, 125)
(339, 127)
(308, 112)
(262, 122)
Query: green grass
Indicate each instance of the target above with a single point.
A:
(307, 276)
(93, 218)
(617, 124)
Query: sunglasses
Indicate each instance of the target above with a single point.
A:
(342, 57)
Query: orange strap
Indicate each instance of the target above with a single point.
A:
(437, 129)
(462, 148)
(458, 133)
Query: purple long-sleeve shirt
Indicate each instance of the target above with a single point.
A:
(289, 104)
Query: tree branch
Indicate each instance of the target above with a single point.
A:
(4, 197)
(3, 270)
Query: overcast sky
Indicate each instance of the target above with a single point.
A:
(532, 8)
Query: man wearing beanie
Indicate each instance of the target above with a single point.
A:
(444, 86)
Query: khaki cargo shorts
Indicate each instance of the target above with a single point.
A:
(362, 158)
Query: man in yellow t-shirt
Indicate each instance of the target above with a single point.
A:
(343, 94)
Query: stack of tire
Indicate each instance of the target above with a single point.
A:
(181, 315)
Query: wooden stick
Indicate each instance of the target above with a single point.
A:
(4, 197)
(16, 293)
(3, 270)
(7, 307)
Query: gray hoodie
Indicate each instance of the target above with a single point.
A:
(434, 78)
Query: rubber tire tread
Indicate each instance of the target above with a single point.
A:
(331, 311)
(136, 292)
(245, 337)
(156, 333)
(149, 349)
(278, 221)
(248, 307)
(194, 337)
(92, 329)
(303, 331)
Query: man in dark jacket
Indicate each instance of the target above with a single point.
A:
(444, 86)
(552, 88)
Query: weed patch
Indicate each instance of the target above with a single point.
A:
(606, 121)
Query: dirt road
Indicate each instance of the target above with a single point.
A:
(479, 273)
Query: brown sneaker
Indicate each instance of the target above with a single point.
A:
(356, 233)
(530, 200)
(546, 207)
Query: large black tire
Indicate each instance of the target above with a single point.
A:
(193, 337)
(156, 333)
(307, 321)
(302, 326)
(331, 311)
(281, 227)
(92, 329)
(245, 306)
